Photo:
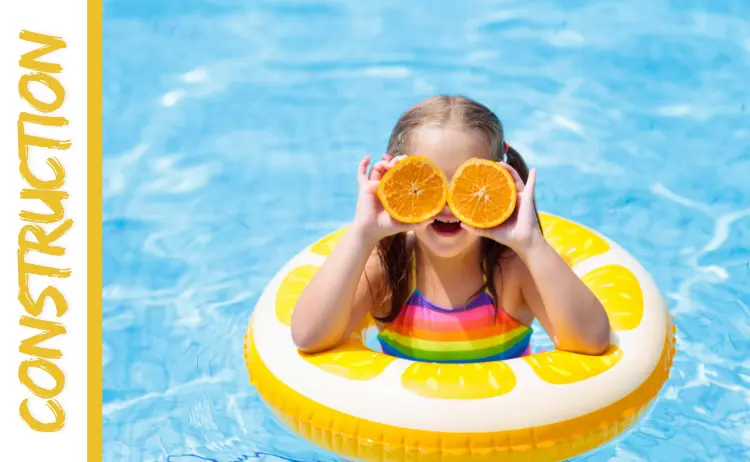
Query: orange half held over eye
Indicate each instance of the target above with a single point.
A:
(482, 193)
(414, 190)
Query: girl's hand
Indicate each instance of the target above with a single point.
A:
(521, 230)
(370, 216)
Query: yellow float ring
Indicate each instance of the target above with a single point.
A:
(550, 406)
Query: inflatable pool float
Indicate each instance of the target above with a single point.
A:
(551, 406)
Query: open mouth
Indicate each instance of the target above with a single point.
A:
(446, 227)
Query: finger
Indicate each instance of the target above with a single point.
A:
(392, 223)
(386, 157)
(516, 177)
(370, 187)
(378, 170)
(397, 159)
(531, 183)
(362, 171)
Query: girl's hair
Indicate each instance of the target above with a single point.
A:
(443, 110)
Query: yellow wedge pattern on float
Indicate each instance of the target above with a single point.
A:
(459, 381)
(573, 242)
(290, 290)
(620, 292)
(562, 368)
(326, 245)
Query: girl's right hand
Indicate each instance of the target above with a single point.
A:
(370, 216)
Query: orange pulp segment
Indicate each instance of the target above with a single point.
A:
(413, 190)
(482, 193)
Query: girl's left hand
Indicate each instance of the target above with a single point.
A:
(521, 230)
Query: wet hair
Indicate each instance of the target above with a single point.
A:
(440, 111)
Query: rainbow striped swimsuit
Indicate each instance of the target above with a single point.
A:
(424, 331)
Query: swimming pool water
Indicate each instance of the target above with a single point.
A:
(232, 133)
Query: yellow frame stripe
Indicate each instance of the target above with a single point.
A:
(94, 231)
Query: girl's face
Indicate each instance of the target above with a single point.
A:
(449, 147)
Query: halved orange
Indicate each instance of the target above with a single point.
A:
(414, 190)
(482, 193)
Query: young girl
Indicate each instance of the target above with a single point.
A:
(439, 290)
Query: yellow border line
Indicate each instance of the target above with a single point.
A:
(94, 230)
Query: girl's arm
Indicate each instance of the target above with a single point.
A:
(341, 292)
(339, 295)
(569, 312)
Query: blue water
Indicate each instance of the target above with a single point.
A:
(232, 133)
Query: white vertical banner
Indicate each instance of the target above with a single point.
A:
(44, 312)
